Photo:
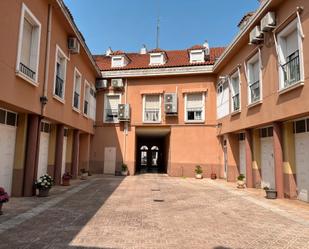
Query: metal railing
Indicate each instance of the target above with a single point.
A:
(26, 70)
(236, 103)
(291, 71)
(76, 100)
(86, 104)
(151, 115)
(255, 91)
(194, 113)
(59, 87)
(111, 115)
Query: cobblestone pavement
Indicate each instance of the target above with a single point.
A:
(154, 211)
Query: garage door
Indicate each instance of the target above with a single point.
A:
(8, 122)
(43, 155)
(302, 158)
(110, 160)
(242, 154)
(267, 158)
(64, 151)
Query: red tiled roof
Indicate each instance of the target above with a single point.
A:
(156, 50)
(197, 47)
(176, 58)
(118, 52)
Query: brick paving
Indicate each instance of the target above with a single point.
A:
(154, 211)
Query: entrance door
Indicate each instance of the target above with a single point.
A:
(64, 151)
(110, 160)
(154, 159)
(225, 158)
(144, 158)
(267, 163)
(302, 165)
(43, 154)
(242, 157)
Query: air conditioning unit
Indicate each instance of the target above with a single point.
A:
(256, 36)
(170, 104)
(101, 84)
(117, 83)
(268, 22)
(123, 112)
(73, 45)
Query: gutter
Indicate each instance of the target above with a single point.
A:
(257, 14)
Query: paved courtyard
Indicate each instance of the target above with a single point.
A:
(152, 211)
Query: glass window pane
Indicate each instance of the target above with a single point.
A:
(190, 115)
(300, 126)
(270, 131)
(11, 118)
(2, 116)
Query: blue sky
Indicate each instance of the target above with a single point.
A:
(127, 24)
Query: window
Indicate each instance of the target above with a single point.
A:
(290, 55)
(117, 61)
(111, 108)
(254, 82)
(194, 107)
(157, 59)
(266, 132)
(92, 103)
(301, 126)
(28, 46)
(235, 85)
(152, 108)
(223, 98)
(60, 74)
(45, 127)
(8, 117)
(77, 89)
(197, 56)
(241, 136)
(86, 98)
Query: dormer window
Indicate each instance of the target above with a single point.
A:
(119, 59)
(197, 56)
(157, 59)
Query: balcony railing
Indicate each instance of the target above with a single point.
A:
(236, 103)
(59, 87)
(111, 115)
(26, 70)
(255, 91)
(151, 115)
(76, 100)
(86, 104)
(291, 71)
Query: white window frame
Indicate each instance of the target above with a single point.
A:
(25, 11)
(63, 55)
(160, 109)
(234, 75)
(117, 58)
(86, 83)
(203, 109)
(152, 55)
(77, 72)
(293, 25)
(252, 60)
(200, 53)
(106, 95)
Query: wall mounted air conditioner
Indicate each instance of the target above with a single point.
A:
(73, 45)
(170, 104)
(123, 112)
(101, 84)
(117, 83)
(256, 36)
(268, 22)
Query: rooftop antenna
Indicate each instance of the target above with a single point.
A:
(158, 26)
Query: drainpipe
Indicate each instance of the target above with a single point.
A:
(126, 124)
(43, 98)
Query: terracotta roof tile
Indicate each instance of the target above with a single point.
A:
(196, 47)
(176, 58)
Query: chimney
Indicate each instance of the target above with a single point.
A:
(108, 51)
(206, 47)
(143, 49)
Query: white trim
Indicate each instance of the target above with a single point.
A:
(105, 104)
(253, 59)
(86, 83)
(59, 50)
(76, 71)
(157, 71)
(236, 74)
(203, 110)
(160, 111)
(24, 10)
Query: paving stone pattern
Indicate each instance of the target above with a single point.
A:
(156, 211)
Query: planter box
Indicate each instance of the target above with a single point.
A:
(84, 176)
(43, 192)
(65, 182)
(241, 184)
(124, 173)
(198, 176)
(271, 194)
(213, 176)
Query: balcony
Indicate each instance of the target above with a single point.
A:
(151, 115)
(76, 100)
(26, 71)
(59, 87)
(111, 115)
(86, 107)
(236, 104)
(255, 91)
(291, 70)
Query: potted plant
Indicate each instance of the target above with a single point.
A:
(66, 179)
(198, 172)
(213, 176)
(44, 184)
(241, 181)
(124, 169)
(84, 174)
(4, 197)
(270, 193)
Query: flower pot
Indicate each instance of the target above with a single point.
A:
(84, 176)
(65, 182)
(198, 176)
(241, 184)
(271, 194)
(213, 176)
(43, 192)
(1, 208)
(124, 173)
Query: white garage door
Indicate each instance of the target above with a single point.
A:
(64, 151)
(43, 155)
(8, 122)
(302, 159)
(267, 159)
(109, 160)
(242, 155)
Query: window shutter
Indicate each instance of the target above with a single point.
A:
(26, 43)
(194, 101)
(152, 102)
(291, 43)
(112, 102)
